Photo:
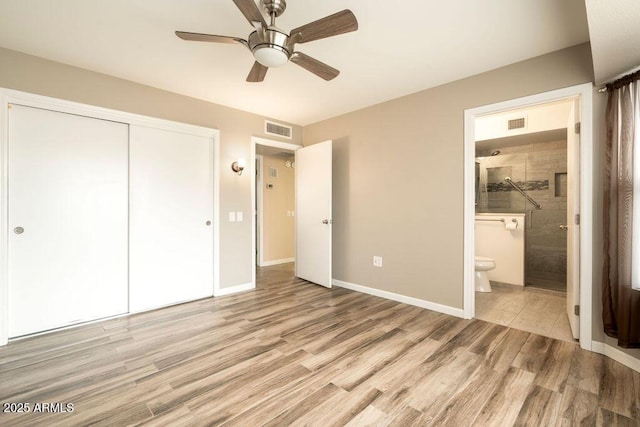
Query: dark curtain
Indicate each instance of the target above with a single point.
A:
(621, 303)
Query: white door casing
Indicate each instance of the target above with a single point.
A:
(573, 209)
(171, 217)
(259, 211)
(314, 213)
(67, 190)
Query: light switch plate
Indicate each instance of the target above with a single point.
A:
(232, 217)
(377, 261)
(239, 217)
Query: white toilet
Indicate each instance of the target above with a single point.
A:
(482, 265)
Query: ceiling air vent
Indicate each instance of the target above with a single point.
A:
(519, 123)
(277, 129)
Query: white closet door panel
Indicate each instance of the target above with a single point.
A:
(171, 201)
(67, 178)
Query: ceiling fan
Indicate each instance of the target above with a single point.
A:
(272, 47)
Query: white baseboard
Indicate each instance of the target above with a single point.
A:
(457, 312)
(276, 262)
(234, 289)
(615, 354)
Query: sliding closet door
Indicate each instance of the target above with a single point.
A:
(171, 214)
(67, 215)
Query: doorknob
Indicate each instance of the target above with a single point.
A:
(563, 227)
(18, 230)
(327, 221)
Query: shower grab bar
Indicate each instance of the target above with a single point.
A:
(521, 191)
(495, 219)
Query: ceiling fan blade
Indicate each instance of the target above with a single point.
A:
(257, 73)
(332, 25)
(250, 11)
(197, 37)
(318, 68)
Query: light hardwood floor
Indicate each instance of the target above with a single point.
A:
(293, 353)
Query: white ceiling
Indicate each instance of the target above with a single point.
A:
(399, 48)
(614, 27)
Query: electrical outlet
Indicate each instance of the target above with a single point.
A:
(377, 261)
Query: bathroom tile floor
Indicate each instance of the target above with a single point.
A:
(542, 313)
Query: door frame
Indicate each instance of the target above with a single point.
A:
(10, 96)
(259, 210)
(585, 92)
(269, 143)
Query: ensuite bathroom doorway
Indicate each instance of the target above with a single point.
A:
(527, 171)
(523, 206)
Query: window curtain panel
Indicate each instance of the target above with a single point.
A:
(621, 302)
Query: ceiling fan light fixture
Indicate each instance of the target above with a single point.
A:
(273, 47)
(270, 55)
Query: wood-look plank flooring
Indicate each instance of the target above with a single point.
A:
(293, 353)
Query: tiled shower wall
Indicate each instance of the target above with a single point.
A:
(541, 169)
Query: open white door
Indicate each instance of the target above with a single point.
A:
(313, 213)
(573, 211)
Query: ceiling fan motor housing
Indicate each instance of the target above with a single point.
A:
(274, 7)
(270, 49)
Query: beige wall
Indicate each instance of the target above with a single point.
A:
(278, 228)
(398, 177)
(40, 76)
